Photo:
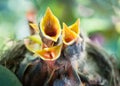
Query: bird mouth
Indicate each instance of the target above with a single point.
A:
(50, 26)
(68, 39)
(33, 43)
(50, 31)
(51, 53)
(68, 36)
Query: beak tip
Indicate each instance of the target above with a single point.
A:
(50, 26)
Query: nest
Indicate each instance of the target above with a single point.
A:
(60, 57)
(95, 67)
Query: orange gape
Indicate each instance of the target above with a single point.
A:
(68, 39)
(50, 26)
(51, 53)
(48, 55)
(68, 36)
(50, 31)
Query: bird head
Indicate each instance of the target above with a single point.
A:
(72, 40)
(50, 26)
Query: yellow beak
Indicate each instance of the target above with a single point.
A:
(33, 43)
(50, 26)
(68, 36)
(76, 27)
(51, 53)
(35, 27)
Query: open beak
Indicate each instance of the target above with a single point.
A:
(68, 36)
(75, 27)
(33, 43)
(50, 26)
(34, 27)
(50, 54)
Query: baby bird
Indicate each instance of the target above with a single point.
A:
(50, 29)
(72, 45)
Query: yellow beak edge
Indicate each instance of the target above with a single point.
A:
(50, 26)
(50, 54)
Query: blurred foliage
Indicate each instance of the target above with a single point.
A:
(100, 19)
(7, 78)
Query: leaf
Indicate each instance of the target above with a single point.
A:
(7, 78)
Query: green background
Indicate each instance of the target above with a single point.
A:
(100, 19)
